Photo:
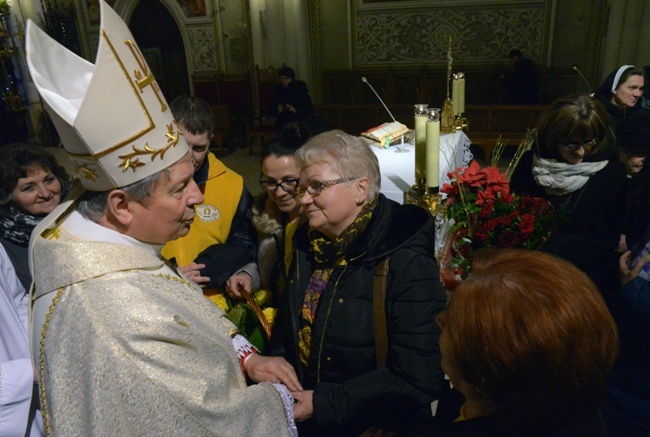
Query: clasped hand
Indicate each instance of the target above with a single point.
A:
(272, 369)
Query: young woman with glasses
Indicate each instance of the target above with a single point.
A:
(275, 213)
(574, 165)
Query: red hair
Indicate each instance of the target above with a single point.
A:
(533, 334)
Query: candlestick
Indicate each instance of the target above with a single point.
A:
(420, 140)
(433, 148)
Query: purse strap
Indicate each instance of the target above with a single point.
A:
(379, 312)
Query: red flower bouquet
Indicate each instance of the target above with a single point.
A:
(481, 212)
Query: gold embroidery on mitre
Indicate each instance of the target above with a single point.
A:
(151, 126)
(131, 160)
(144, 77)
(86, 173)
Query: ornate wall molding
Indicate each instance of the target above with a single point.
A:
(408, 36)
(202, 48)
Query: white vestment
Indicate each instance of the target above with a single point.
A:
(129, 347)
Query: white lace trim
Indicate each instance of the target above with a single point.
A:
(287, 402)
(242, 346)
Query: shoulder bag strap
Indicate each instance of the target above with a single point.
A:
(379, 313)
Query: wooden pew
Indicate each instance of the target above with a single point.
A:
(510, 122)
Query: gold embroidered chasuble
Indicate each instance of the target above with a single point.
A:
(131, 348)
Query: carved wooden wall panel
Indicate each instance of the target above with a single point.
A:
(481, 35)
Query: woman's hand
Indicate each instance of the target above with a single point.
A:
(303, 409)
(193, 273)
(624, 273)
(238, 282)
(272, 369)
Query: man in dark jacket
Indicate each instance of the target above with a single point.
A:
(521, 86)
(221, 240)
(291, 101)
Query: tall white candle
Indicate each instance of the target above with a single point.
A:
(420, 141)
(433, 149)
(461, 92)
(455, 95)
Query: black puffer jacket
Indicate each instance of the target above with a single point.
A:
(350, 392)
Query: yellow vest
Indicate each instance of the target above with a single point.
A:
(222, 193)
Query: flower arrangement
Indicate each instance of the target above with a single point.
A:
(247, 320)
(482, 212)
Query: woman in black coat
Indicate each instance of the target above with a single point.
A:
(325, 325)
(574, 165)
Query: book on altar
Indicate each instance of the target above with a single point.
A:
(386, 133)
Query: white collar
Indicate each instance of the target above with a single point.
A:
(81, 227)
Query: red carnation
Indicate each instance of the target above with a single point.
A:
(509, 239)
(527, 225)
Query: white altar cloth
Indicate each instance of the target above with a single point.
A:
(398, 169)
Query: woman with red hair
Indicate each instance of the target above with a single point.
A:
(529, 342)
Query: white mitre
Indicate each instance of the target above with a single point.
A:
(112, 118)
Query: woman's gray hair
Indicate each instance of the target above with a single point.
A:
(349, 155)
(92, 204)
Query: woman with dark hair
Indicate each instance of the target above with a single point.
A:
(633, 142)
(32, 184)
(574, 165)
(275, 213)
(622, 93)
(529, 342)
(291, 101)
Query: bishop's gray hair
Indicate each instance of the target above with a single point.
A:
(92, 204)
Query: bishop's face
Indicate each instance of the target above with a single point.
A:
(169, 211)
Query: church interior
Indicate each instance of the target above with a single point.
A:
(228, 52)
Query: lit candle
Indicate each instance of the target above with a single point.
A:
(433, 148)
(461, 92)
(455, 95)
(420, 141)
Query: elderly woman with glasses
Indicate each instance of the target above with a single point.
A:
(360, 366)
(574, 165)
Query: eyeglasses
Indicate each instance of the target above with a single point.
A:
(315, 187)
(288, 185)
(572, 147)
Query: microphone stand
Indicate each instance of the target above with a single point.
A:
(398, 150)
(584, 79)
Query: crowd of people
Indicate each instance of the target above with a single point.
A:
(124, 261)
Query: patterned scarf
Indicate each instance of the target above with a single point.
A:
(16, 225)
(327, 254)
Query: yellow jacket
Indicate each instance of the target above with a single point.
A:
(222, 192)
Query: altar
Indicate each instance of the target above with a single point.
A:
(398, 168)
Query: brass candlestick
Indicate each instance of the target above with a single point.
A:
(447, 114)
